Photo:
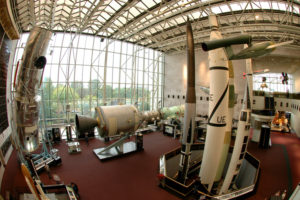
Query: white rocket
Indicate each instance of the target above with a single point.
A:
(228, 122)
(217, 110)
(249, 78)
(240, 145)
(215, 150)
(242, 131)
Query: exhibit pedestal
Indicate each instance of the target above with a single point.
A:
(264, 140)
(74, 147)
(128, 147)
(244, 183)
(120, 148)
(259, 120)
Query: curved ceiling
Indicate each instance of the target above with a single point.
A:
(160, 24)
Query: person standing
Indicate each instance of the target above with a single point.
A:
(75, 189)
(47, 168)
(86, 137)
(57, 179)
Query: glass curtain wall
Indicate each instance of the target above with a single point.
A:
(85, 71)
(273, 82)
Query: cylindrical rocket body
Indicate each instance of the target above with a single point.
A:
(239, 149)
(190, 101)
(228, 122)
(188, 123)
(218, 112)
(190, 109)
(26, 107)
(249, 77)
(117, 119)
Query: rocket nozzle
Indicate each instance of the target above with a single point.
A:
(84, 124)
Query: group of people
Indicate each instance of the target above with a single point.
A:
(281, 121)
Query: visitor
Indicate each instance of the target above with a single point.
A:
(47, 168)
(75, 189)
(86, 137)
(57, 179)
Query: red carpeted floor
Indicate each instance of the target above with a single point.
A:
(129, 177)
(135, 176)
(292, 144)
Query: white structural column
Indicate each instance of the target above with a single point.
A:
(217, 110)
(105, 73)
(120, 68)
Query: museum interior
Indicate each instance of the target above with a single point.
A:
(149, 99)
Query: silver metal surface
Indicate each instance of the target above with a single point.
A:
(103, 153)
(117, 119)
(26, 107)
(151, 116)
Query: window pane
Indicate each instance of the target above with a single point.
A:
(76, 69)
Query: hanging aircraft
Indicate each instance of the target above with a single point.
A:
(285, 78)
(252, 51)
(261, 71)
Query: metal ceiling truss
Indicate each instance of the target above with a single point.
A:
(229, 28)
(160, 24)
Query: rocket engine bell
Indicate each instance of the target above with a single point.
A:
(84, 124)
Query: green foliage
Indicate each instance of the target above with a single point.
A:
(82, 97)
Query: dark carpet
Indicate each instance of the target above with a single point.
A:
(130, 177)
(292, 145)
(135, 176)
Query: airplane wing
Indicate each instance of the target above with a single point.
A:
(261, 71)
(205, 89)
(280, 44)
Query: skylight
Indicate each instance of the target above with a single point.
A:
(216, 10)
(224, 8)
(235, 6)
(124, 22)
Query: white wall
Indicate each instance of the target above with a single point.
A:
(295, 118)
(296, 76)
(293, 106)
(175, 83)
(175, 80)
(281, 60)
